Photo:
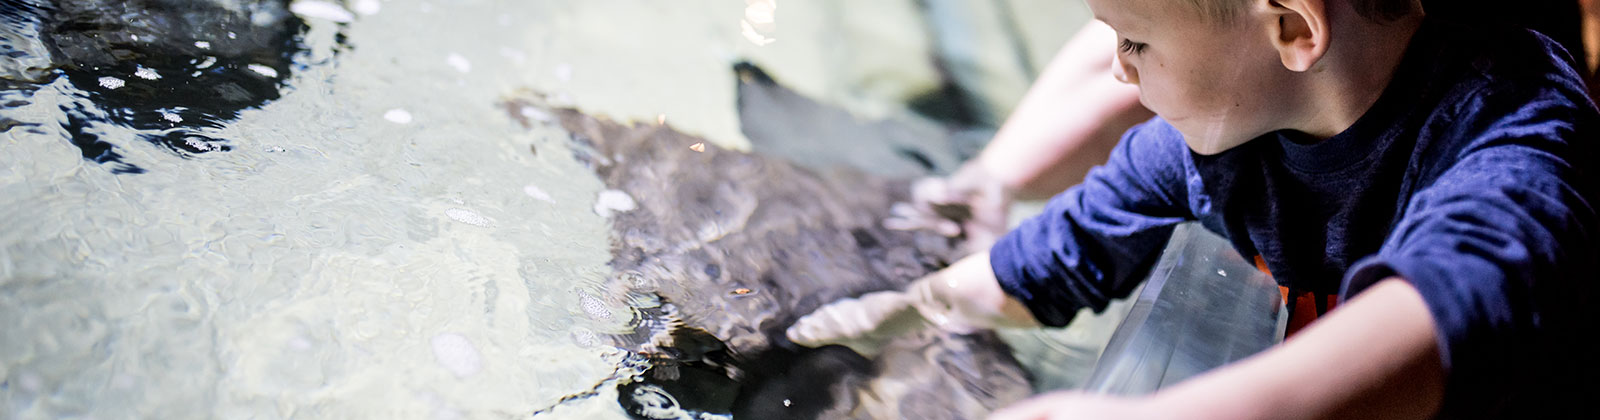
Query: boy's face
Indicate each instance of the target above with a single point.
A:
(1218, 84)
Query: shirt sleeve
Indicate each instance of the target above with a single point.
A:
(1502, 248)
(1095, 241)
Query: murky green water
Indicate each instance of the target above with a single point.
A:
(382, 240)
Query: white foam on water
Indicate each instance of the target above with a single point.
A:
(456, 61)
(564, 72)
(321, 10)
(146, 73)
(263, 70)
(467, 216)
(397, 116)
(611, 202)
(594, 307)
(536, 193)
(109, 82)
(367, 7)
(457, 355)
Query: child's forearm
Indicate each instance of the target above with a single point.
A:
(1374, 357)
(967, 295)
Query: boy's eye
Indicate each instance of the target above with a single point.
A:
(1129, 47)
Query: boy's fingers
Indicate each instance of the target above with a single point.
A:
(829, 324)
(855, 323)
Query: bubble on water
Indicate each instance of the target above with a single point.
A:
(612, 202)
(398, 116)
(1222, 273)
(321, 10)
(146, 73)
(202, 45)
(458, 62)
(263, 70)
(594, 307)
(170, 116)
(536, 114)
(585, 337)
(109, 82)
(366, 7)
(456, 354)
(536, 193)
(564, 72)
(299, 343)
(199, 145)
(516, 56)
(467, 216)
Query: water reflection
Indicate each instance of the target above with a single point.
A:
(172, 70)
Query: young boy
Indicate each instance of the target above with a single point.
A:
(1438, 178)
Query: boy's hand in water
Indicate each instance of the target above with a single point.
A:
(960, 298)
(863, 324)
(970, 202)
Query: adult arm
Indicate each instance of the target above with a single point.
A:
(1067, 122)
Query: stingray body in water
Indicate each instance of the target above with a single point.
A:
(725, 249)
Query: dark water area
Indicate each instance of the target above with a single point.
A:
(726, 249)
(173, 70)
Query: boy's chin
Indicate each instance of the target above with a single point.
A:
(1210, 146)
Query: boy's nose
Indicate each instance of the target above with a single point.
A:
(1122, 71)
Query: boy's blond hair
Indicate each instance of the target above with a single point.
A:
(1375, 10)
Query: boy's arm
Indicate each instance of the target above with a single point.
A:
(1480, 300)
(1374, 357)
(1096, 241)
(1090, 245)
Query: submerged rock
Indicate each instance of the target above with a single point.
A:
(725, 249)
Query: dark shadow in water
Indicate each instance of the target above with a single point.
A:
(172, 69)
(725, 249)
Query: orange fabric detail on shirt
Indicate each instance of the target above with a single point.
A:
(1305, 304)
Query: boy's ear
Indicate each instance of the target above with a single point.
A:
(1300, 33)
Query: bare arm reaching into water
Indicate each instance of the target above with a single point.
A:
(1067, 123)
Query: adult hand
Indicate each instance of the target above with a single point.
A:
(971, 203)
(1071, 405)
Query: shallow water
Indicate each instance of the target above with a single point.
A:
(365, 232)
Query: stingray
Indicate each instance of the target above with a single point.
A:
(725, 249)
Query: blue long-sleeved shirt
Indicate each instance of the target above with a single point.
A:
(1473, 177)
